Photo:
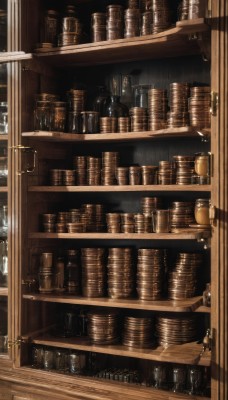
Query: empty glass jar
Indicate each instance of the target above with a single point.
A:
(3, 118)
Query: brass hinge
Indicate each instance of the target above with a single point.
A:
(17, 342)
(214, 103)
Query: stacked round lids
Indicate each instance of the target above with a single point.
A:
(103, 326)
(182, 214)
(175, 329)
(93, 272)
(121, 277)
(182, 279)
(199, 106)
(150, 273)
(138, 332)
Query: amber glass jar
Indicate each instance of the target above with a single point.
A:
(202, 211)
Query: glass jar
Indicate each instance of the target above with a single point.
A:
(202, 211)
(207, 295)
(115, 108)
(141, 96)
(90, 121)
(51, 23)
(202, 164)
(3, 118)
(58, 116)
(127, 97)
(3, 170)
(42, 116)
(72, 272)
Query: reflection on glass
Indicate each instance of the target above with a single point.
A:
(3, 325)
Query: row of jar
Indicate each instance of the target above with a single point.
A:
(139, 18)
(95, 171)
(153, 218)
(178, 378)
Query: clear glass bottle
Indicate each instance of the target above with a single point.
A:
(115, 108)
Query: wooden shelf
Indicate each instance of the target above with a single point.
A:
(203, 309)
(117, 188)
(3, 137)
(187, 305)
(188, 353)
(173, 42)
(3, 291)
(14, 56)
(122, 236)
(3, 189)
(188, 132)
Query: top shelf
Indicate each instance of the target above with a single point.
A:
(170, 43)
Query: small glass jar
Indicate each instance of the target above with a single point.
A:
(202, 211)
(42, 116)
(3, 118)
(202, 164)
(207, 295)
(141, 96)
(90, 122)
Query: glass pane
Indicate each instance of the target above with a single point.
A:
(3, 25)
(3, 184)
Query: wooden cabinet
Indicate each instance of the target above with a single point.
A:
(180, 54)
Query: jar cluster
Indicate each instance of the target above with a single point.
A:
(180, 378)
(106, 170)
(186, 106)
(152, 218)
(120, 273)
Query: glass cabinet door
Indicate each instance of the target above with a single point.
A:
(3, 186)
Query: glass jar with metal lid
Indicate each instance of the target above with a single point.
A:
(202, 207)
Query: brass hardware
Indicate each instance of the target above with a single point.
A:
(212, 214)
(214, 103)
(209, 9)
(14, 343)
(26, 149)
(207, 342)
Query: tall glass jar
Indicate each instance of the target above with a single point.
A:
(72, 272)
(51, 24)
(42, 116)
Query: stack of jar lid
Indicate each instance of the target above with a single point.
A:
(80, 165)
(108, 124)
(93, 272)
(110, 162)
(142, 223)
(166, 173)
(124, 124)
(135, 176)
(182, 215)
(150, 273)
(114, 22)
(127, 223)
(172, 329)
(184, 169)
(197, 9)
(139, 119)
(113, 221)
(147, 23)
(103, 327)
(157, 108)
(178, 115)
(138, 332)
(161, 16)
(149, 204)
(182, 279)
(121, 279)
(71, 31)
(199, 106)
(183, 10)
(93, 171)
(93, 217)
(132, 19)
(98, 26)
(122, 176)
(76, 105)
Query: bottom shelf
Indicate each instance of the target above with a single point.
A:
(189, 353)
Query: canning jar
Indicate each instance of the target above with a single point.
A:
(202, 211)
